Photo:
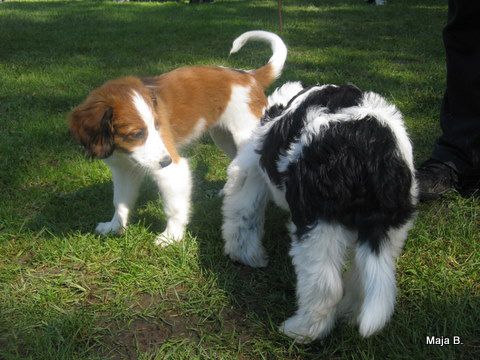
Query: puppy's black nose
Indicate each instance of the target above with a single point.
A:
(165, 161)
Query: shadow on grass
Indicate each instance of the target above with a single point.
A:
(81, 210)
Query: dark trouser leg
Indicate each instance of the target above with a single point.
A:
(460, 112)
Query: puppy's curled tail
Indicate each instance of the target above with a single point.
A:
(273, 69)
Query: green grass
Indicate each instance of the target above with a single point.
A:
(66, 293)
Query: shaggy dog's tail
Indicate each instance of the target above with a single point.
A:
(266, 74)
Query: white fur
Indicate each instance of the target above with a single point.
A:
(292, 155)
(237, 118)
(175, 184)
(377, 275)
(373, 276)
(278, 47)
(126, 183)
(283, 94)
(318, 259)
(239, 168)
(317, 120)
(246, 196)
(153, 150)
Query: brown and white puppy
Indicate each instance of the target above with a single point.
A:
(137, 126)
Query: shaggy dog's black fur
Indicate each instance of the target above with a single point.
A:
(341, 162)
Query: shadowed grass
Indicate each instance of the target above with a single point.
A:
(66, 293)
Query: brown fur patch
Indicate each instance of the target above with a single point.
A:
(258, 101)
(126, 124)
(192, 93)
(179, 99)
(264, 75)
(86, 119)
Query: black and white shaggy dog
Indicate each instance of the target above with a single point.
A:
(340, 161)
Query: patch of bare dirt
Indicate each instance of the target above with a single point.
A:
(146, 334)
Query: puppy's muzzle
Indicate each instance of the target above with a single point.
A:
(165, 161)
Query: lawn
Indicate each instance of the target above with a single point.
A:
(66, 293)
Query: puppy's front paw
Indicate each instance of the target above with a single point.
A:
(170, 236)
(105, 228)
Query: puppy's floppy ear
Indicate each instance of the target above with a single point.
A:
(91, 126)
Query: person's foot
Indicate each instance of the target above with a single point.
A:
(435, 178)
(469, 184)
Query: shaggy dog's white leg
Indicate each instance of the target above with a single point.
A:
(244, 216)
(126, 183)
(175, 184)
(377, 273)
(245, 199)
(318, 257)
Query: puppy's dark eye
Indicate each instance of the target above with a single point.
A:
(138, 135)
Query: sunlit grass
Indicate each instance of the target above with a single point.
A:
(66, 293)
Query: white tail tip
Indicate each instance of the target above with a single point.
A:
(276, 43)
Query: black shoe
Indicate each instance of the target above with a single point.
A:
(469, 184)
(435, 178)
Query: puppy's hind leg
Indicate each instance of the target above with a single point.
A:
(224, 140)
(126, 184)
(244, 203)
(238, 120)
(377, 273)
(317, 256)
(175, 184)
